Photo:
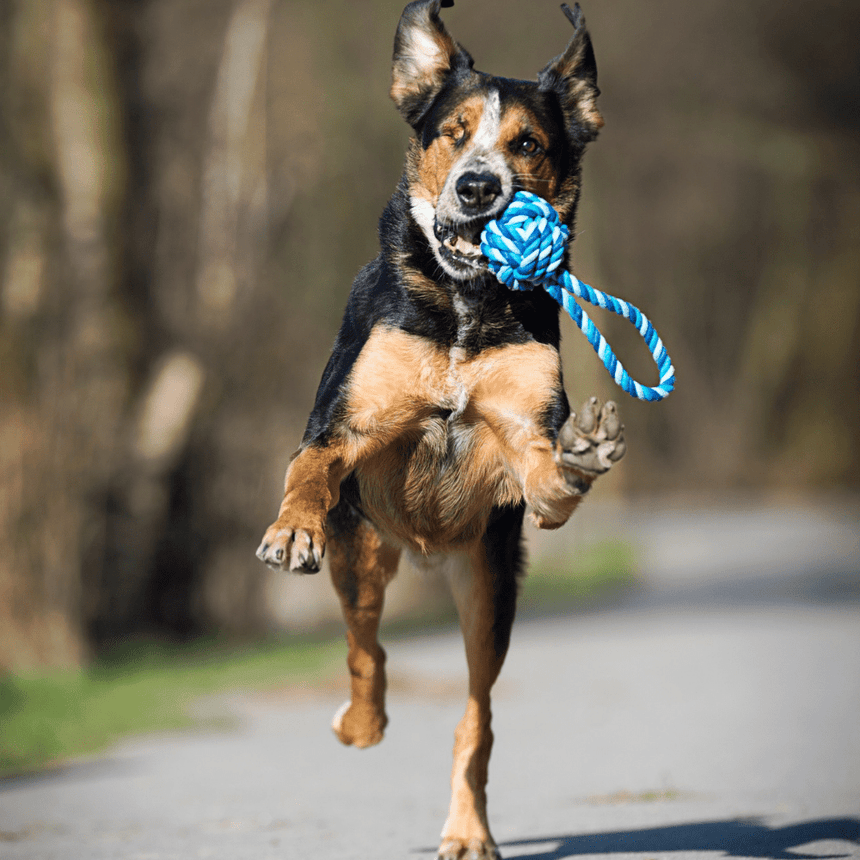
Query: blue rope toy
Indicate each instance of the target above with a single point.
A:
(525, 247)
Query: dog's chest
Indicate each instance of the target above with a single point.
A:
(458, 384)
(453, 422)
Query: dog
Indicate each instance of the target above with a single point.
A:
(441, 413)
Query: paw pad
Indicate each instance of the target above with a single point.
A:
(590, 442)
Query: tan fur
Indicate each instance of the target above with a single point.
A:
(534, 174)
(311, 490)
(396, 389)
(465, 122)
(429, 168)
(512, 386)
(503, 455)
(361, 566)
(587, 102)
(423, 62)
(467, 823)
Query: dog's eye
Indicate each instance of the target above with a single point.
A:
(456, 133)
(529, 146)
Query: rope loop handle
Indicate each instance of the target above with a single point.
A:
(525, 247)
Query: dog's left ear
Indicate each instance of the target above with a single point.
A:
(573, 77)
(424, 56)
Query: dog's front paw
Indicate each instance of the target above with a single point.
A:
(590, 443)
(296, 549)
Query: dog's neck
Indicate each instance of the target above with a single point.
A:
(468, 310)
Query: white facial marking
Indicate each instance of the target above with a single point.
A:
(487, 132)
(480, 154)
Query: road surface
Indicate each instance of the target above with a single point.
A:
(715, 712)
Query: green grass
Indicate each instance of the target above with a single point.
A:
(597, 571)
(139, 688)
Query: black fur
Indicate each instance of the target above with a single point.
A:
(506, 559)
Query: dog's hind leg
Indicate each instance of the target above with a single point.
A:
(361, 565)
(484, 583)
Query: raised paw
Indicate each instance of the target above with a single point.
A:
(296, 549)
(590, 442)
(474, 849)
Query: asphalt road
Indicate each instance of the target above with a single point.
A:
(714, 712)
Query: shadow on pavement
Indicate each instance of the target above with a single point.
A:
(735, 838)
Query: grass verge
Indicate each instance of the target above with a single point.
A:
(135, 689)
(598, 572)
(140, 688)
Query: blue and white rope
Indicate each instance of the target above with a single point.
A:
(526, 246)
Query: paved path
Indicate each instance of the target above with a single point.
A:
(715, 713)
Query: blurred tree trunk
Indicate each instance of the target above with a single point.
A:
(193, 221)
(133, 179)
(64, 329)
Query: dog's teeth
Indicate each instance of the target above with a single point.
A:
(467, 249)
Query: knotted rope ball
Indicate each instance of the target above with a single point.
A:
(525, 247)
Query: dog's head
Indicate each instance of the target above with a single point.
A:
(480, 138)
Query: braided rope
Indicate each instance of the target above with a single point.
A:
(526, 246)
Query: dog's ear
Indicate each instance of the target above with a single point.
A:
(573, 77)
(424, 56)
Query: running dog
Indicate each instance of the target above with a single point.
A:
(441, 414)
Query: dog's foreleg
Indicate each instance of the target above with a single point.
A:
(296, 540)
(361, 566)
(557, 477)
(389, 392)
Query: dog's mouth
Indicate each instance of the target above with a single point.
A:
(460, 244)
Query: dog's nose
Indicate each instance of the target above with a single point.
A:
(477, 191)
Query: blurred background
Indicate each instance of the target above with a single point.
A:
(187, 188)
